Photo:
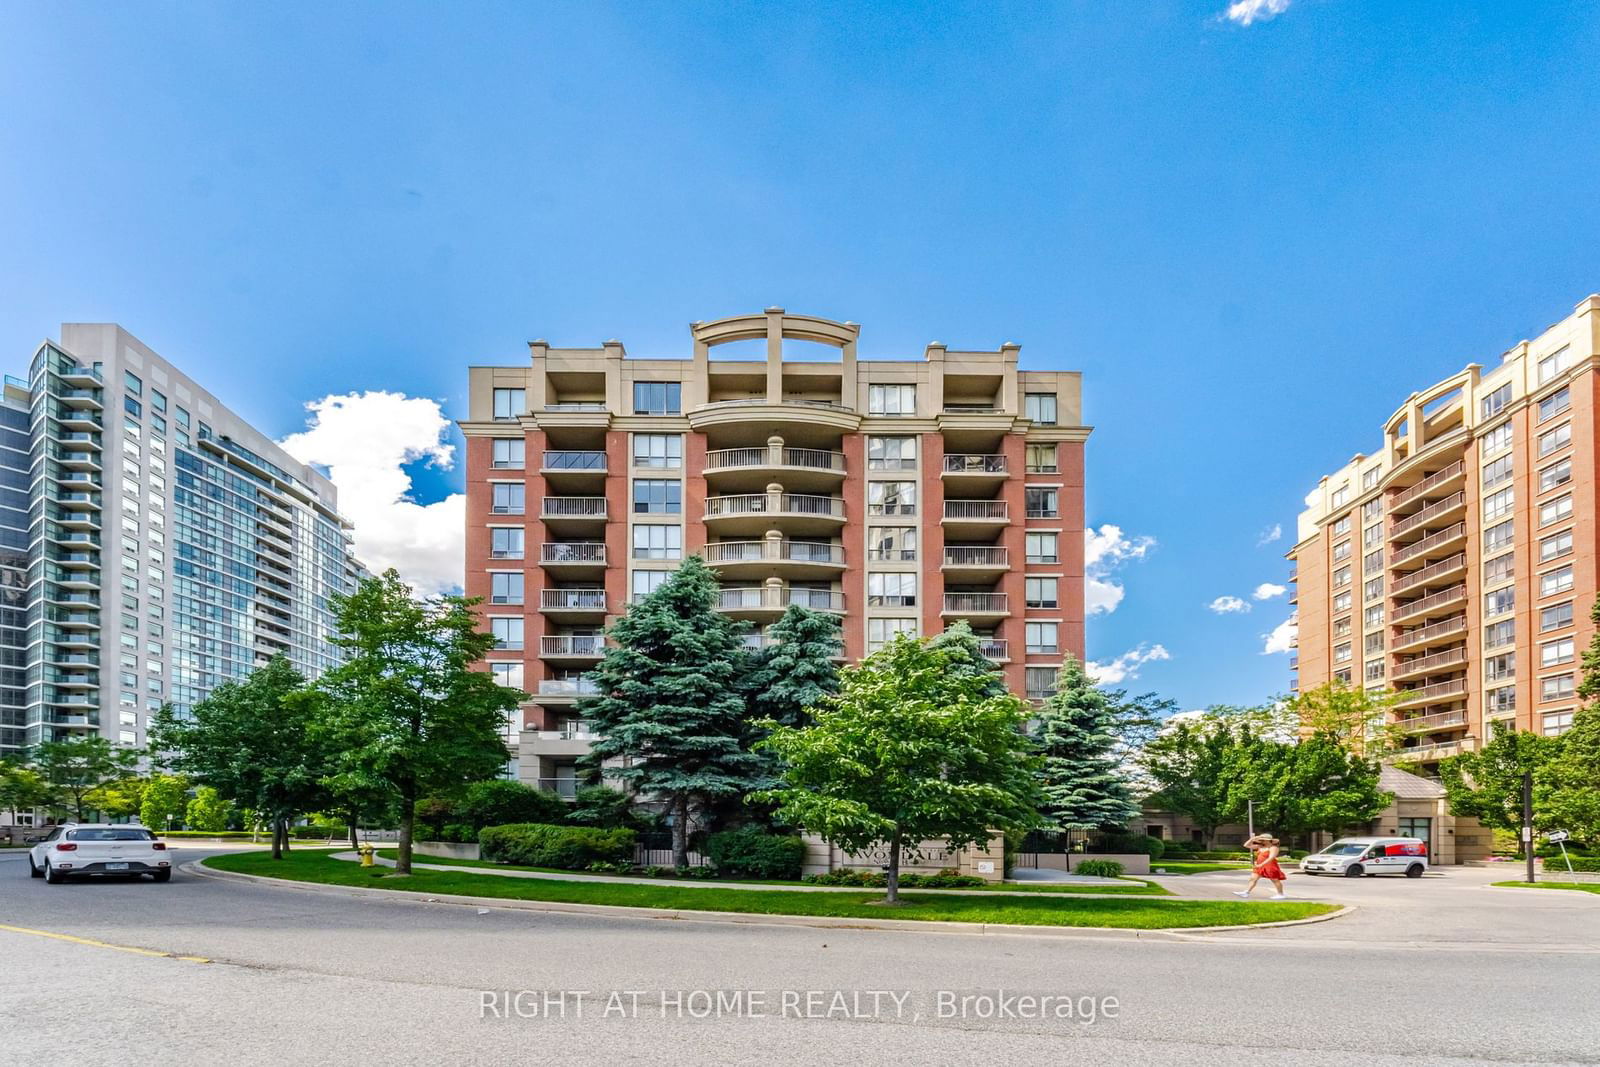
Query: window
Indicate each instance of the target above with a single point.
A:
(1497, 537)
(657, 398)
(1555, 510)
(1341, 627)
(1341, 602)
(892, 543)
(891, 498)
(1371, 536)
(891, 400)
(1041, 459)
(1556, 581)
(891, 453)
(131, 406)
(1041, 548)
(1561, 687)
(1341, 577)
(1550, 440)
(1040, 682)
(507, 674)
(657, 496)
(891, 590)
(1373, 589)
(507, 633)
(1498, 667)
(508, 452)
(1500, 569)
(1499, 602)
(1496, 439)
(1041, 637)
(1374, 671)
(1555, 474)
(509, 498)
(1043, 503)
(657, 542)
(508, 403)
(1555, 404)
(1556, 723)
(1341, 551)
(1497, 505)
(1041, 592)
(1497, 471)
(1341, 653)
(1372, 561)
(1369, 478)
(505, 588)
(1499, 634)
(644, 583)
(1497, 400)
(1372, 645)
(158, 400)
(131, 383)
(1555, 653)
(505, 543)
(881, 631)
(1371, 509)
(1555, 617)
(1553, 364)
(1555, 546)
(1341, 496)
(1373, 616)
(1040, 408)
(658, 450)
(1340, 527)
(1500, 701)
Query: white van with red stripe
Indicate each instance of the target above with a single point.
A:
(1356, 856)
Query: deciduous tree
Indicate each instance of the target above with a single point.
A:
(76, 768)
(165, 798)
(208, 811)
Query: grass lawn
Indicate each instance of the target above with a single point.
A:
(1203, 867)
(1131, 886)
(1582, 887)
(1044, 910)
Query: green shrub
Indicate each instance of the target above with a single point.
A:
(755, 853)
(570, 848)
(602, 806)
(460, 832)
(948, 878)
(845, 876)
(1099, 869)
(619, 867)
(502, 802)
(1589, 864)
(1134, 844)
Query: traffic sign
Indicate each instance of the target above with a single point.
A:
(1555, 836)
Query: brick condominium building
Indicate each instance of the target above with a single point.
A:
(1456, 563)
(900, 494)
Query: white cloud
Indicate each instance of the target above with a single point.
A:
(1126, 666)
(364, 440)
(1104, 550)
(1228, 605)
(1267, 590)
(1245, 12)
(1282, 638)
(1270, 534)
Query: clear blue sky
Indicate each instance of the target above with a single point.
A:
(1254, 240)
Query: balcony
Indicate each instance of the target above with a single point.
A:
(1455, 688)
(772, 599)
(565, 512)
(774, 556)
(1432, 513)
(1429, 753)
(975, 467)
(572, 601)
(85, 399)
(809, 418)
(753, 512)
(1432, 484)
(753, 468)
(569, 470)
(975, 561)
(1427, 724)
(1422, 665)
(572, 646)
(573, 555)
(565, 788)
(86, 377)
(995, 649)
(1434, 602)
(1434, 544)
(74, 419)
(564, 690)
(1432, 573)
(1437, 633)
(976, 605)
(571, 739)
(977, 513)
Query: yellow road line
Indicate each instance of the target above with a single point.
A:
(92, 943)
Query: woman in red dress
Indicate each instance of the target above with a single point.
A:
(1264, 865)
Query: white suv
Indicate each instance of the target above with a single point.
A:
(1355, 856)
(99, 849)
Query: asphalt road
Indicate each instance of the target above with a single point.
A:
(1437, 971)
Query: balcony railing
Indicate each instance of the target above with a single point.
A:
(974, 463)
(573, 507)
(1455, 687)
(770, 598)
(788, 551)
(1429, 543)
(1432, 481)
(718, 507)
(973, 409)
(1432, 602)
(573, 552)
(1424, 724)
(976, 556)
(1450, 657)
(1431, 571)
(1432, 511)
(572, 645)
(572, 599)
(977, 509)
(994, 648)
(567, 687)
(975, 603)
(1424, 634)
(575, 730)
(565, 788)
(577, 405)
(574, 461)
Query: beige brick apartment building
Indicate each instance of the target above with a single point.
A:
(901, 494)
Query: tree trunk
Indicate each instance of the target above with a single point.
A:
(892, 883)
(408, 821)
(680, 831)
(277, 838)
(354, 841)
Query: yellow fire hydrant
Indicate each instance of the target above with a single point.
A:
(366, 852)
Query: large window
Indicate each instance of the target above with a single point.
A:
(1497, 400)
(1500, 569)
(643, 583)
(1496, 668)
(881, 631)
(507, 674)
(1556, 510)
(1342, 653)
(1042, 459)
(1496, 439)
(1040, 682)
(505, 588)
(1555, 546)
(1555, 474)
(1042, 547)
(1497, 471)
(1554, 364)
(1551, 440)
(658, 450)
(1561, 687)
(507, 633)
(1555, 404)
(1043, 503)
(1556, 723)
(1556, 581)
(1500, 634)
(657, 398)
(510, 403)
(1341, 551)
(1500, 701)
(1041, 592)
(657, 496)
(891, 498)
(891, 590)
(1555, 653)
(1499, 602)
(1498, 504)
(1341, 576)
(1040, 408)
(657, 542)
(505, 543)
(891, 400)
(896, 543)
(1500, 536)
(1341, 601)
(507, 498)
(508, 453)
(1555, 617)
(891, 453)
(1043, 638)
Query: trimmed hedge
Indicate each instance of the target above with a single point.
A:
(948, 878)
(1134, 843)
(1587, 864)
(571, 848)
(754, 853)
(1099, 869)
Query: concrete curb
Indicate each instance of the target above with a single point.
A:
(196, 867)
